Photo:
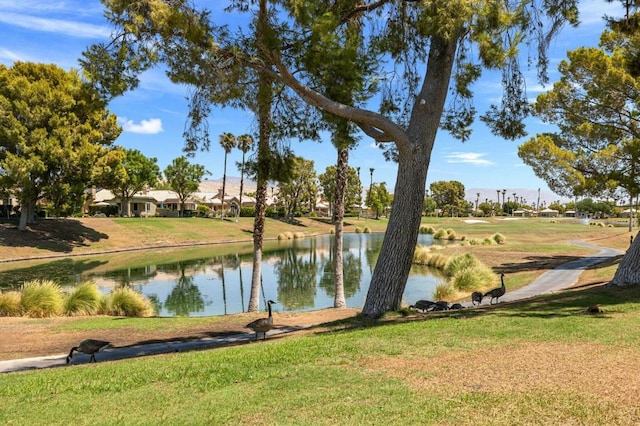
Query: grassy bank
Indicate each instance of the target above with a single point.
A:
(535, 362)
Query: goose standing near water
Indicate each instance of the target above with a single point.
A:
(263, 325)
(89, 347)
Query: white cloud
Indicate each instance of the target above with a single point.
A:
(58, 26)
(11, 56)
(151, 126)
(474, 158)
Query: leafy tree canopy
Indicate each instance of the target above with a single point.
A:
(53, 128)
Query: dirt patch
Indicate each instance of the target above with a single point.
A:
(28, 337)
(605, 373)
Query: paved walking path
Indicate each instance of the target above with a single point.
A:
(556, 279)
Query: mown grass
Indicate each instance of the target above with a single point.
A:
(392, 371)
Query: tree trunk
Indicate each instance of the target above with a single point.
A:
(258, 237)
(342, 169)
(264, 148)
(628, 272)
(396, 255)
(224, 187)
(25, 210)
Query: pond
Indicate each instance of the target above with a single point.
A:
(216, 280)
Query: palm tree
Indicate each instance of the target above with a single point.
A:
(245, 144)
(227, 142)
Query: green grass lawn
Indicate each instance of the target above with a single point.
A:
(486, 366)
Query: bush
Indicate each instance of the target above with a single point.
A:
(366, 230)
(498, 238)
(358, 230)
(83, 300)
(423, 255)
(427, 230)
(285, 236)
(247, 211)
(451, 234)
(444, 291)
(298, 235)
(440, 234)
(473, 278)
(41, 299)
(129, 303)
(459, 262)
(10, 304)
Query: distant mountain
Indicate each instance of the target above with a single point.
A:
(232, 185)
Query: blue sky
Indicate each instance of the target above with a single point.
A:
(153, 116)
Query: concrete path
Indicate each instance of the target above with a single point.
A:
(556, 279)
(563, 276)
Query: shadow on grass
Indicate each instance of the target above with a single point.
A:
(57, 235)
(557, 305)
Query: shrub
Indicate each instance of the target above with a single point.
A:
(285, 236)
(424, 255)
(488, 241)
(366, 230)
(10, 304)
(498, 238)
(41, 299)
(129, 303)
(444, 291)
(427, 230)
(440, 234)
(298, 235)
(459, 262)
(358, 230)
(451, 234)
(247, 211)
(473, 278)
(83, 300)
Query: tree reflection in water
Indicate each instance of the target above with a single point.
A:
(200, 281)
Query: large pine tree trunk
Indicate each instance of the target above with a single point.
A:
(341, 186)
(628, 272)
(396, 255)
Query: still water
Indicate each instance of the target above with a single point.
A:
(298, 274)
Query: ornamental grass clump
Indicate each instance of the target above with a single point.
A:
(10, 304)
(472, 278)
(84, 299)
(459, 262)
(129, 303)
(285, 236)
(440, 234)
(427, 230)
(298, 235)
(444, 291)
(424, 255)
(41, 299)
(498, 238)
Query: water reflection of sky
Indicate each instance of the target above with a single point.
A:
(298, 274)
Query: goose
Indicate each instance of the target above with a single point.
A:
(263, 325)
(89, 347)
(422, 305)
(497, 292)
(476, 296)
